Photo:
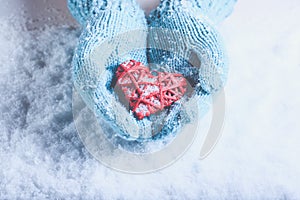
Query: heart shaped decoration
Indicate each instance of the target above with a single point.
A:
(148, 92)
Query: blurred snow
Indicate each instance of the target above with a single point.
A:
(42, 156)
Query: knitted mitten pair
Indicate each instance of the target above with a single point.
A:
(178, 35)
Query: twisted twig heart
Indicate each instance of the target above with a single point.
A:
(145, 92)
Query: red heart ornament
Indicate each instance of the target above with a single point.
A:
(145, 92)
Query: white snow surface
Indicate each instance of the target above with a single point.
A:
(41, 155)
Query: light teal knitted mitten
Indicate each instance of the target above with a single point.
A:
(215, 10)
(113, 33)
(186, 29)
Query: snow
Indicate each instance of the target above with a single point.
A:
(257, 157)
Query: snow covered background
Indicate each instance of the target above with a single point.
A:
(257, 157)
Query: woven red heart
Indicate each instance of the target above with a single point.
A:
(145, 92)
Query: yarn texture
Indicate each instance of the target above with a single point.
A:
(177, 37)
